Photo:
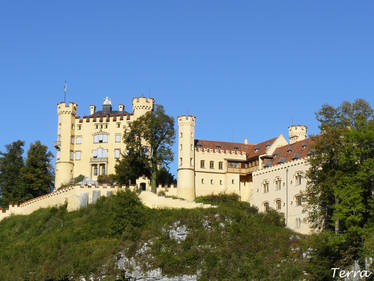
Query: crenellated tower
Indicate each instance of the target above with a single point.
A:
(142, 105)
(186, 157)
(64, 147)
(297, 133)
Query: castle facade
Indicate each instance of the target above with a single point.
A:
(90, 145)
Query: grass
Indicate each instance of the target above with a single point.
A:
(230, 242)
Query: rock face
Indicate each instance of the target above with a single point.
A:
(138, 274)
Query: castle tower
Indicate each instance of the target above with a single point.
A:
(297, 133)
(186, 157)
(64, 147)
(142, 105)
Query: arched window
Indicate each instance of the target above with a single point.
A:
(278, 204)
(278, 183)
(265, 186)
(266, 206)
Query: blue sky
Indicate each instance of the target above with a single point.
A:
(246, 69)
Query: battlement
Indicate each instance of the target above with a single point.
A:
(63, 108)
(297, 133)
(189, 118)
(143, 103)
(219, 151)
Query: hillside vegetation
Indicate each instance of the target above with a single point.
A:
(229, 242)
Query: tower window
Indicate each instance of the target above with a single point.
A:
(58, 154)
(71, 155)
(181, 135)
(202, 181)
(211, 164)
(118, 138)
(211, 181)
(78, 140)
(72, 140)
(77, 155)
(181, 147)
(181, 161)
(232, 181)
(202, 164)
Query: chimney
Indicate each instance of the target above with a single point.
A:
(92, 109)
(121, 108)
(245, 141)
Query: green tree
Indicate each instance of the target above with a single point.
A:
(148, 141)
(37, 174)
(340, 181)
(11, 163)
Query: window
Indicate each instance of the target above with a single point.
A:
(266, 186)
(59, 138)
(103, 171)
(72, 126)
(181, 147)
(72, 140)
(118, 138)
(100, 153)
(117, 153)
(71, 155)
(278, 184)
(202, 164)
(191, 162)
(97, 126)
(77, 155)
(181, 135)
(181, 161)
(79, 127)
(266, 206)
(298, 222)
(220, 165)
(79, 140)
(191, 147)
(211, 164)
(95, 170)
(118, 125)
(202, 181)
(100, 138)
(220, 182)
(278, 204)
(299, 200)
(298, 179)
(232, 181)
(211, 181)
(58, 154)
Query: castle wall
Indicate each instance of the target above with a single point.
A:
(290, 189)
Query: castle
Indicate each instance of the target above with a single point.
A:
(90, 145)
(270, 174)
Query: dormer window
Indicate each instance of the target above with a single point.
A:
(236, 147)
(289, 149)
(218, 147)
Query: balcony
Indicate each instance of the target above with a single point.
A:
(242, 171)
(99, 160)
(57, 145)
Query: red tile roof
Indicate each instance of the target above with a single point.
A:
(290, 152)
(252, 150)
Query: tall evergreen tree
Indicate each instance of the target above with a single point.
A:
(37, 173)
(11, 164)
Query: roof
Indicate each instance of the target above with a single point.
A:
(290, 152)
(114, 112)
(252, 150)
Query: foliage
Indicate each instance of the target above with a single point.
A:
(108, 179)
(341, 183)
(229, 242)
(11, 184)
(164, 177)
(148, 142)
(37, 174)
(73, 181)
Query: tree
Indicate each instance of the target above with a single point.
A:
(11, 164)
(148, 142)
(37, 175)
(340, 181)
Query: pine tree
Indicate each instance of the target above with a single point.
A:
(11, 164)
(37, 174)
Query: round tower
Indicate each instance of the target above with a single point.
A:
(64, 147)
(186, 157)
(297, 133)
(142, 105)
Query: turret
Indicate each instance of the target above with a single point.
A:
(142, 105)
(64, 147)
(186, 157)
(297, 133)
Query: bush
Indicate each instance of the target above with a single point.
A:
(106, 179)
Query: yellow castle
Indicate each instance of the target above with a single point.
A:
(90, 145)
